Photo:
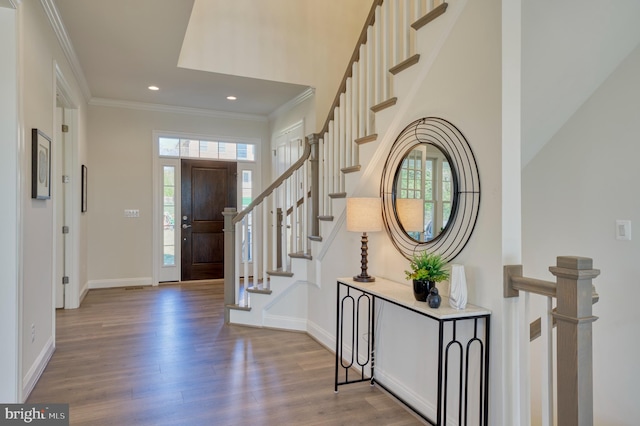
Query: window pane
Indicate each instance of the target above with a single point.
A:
(169, 147)
(428, 221)
(227, 151)
(208, 149)
(189, 148)
(168, 222)
(251, 153)
(446, 183)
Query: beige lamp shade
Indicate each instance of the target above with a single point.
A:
(410, 214)
(364, 214)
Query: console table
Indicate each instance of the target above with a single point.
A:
(357, 300)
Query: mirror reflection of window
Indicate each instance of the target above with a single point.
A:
(425, 174)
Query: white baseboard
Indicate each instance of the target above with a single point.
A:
(410, 396)
(119, 282)
(322, 336)
(83, 292)
(287, 323)
(33, 375)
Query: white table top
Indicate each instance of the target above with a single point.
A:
(403, 295)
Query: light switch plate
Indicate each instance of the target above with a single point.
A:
(623, 230)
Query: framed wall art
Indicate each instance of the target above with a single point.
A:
(40, 165)
(83, 207)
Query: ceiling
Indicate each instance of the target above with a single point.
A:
(124, 46)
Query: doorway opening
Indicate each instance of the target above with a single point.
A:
(195, 178)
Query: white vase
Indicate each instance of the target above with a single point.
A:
(458, 287)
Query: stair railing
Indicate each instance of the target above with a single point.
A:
(384, 47)
(575, 296)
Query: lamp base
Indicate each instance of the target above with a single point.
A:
(364, 278)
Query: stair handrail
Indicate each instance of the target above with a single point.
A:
(276, 183)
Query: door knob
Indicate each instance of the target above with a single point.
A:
(185, 226)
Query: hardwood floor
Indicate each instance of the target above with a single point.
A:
(163, 356)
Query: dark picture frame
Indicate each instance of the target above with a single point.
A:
(83, 205)
(40, 165)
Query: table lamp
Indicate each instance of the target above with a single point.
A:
(363, 215)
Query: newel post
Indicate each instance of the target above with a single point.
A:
(229, 260)
(575, 350)
(314, 141)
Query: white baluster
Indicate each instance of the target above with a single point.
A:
(371, 80)
(305, 208)
(331, 161)
(265, 241)
(341, 142)
(274, 230)
(348, 161)
(241, 293)
(281, 232)
(294, 212)
(407, 31)
(378, 47)
(355, 87)
(245, 250)
(322, 167)
(547, 365)
(396, 33)
(362, 93)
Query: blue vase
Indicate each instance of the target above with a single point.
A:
(434, 299)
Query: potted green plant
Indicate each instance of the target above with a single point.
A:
(427, 269)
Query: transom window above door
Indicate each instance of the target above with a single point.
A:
(194, 148)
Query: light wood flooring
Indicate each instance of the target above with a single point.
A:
(163, 356)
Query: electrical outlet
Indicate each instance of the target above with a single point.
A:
(132, 213)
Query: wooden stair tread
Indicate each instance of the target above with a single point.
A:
(384, 104)
(259, 290)
(366, 139)
(351, 169)
(326, 218)
(238, 307)
(280, 273)
(437, 11)
(405, 64)
(338, 195)
(315, 238)
(300, 255)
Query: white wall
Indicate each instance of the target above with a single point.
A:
(9, 290)
(574, 190)
(120, 177)
(464, 87)
(38, 52)
(303, 42)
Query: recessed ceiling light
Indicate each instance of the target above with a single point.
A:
(231, 98)
(154, 88)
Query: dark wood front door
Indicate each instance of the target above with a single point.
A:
(207, 188)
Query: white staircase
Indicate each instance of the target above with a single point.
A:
(394, 54)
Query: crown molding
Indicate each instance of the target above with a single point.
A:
(141, 106)
(65, 43)
(293, 102)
